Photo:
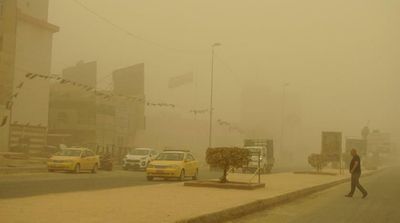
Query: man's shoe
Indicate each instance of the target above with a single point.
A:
(348, 195)
(365, 195)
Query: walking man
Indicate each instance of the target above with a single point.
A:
(355, 170)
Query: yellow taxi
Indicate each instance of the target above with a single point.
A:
(74, 159)
(173, 164)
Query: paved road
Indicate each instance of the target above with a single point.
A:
(22, 185)
(381, 206)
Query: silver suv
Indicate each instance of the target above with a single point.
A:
(139, 158)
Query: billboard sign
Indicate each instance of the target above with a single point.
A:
(331, 147)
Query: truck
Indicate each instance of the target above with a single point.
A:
(261, 154)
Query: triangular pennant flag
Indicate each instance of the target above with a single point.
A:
(4, 121)
(33, 76)
(9, 105)
(20, 85)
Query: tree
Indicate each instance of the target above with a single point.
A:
(317, 161)
(226, 158)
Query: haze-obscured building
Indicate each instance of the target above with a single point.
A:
(379, 142)
(129, 114)
(97, 119)
(72, 109)
(26, 46)
(272, 114)
(8, 21)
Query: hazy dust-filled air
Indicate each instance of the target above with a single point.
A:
(199, 111)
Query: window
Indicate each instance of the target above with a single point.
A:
(190, 157)
(89, 153)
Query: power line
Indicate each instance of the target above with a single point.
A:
(135, 36)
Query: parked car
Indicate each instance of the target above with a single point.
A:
(173, 164)
(138, 158)
(74, 159)
(106, 161)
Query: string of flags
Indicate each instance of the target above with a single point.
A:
(200, 111)
(105, 96)
(230, 126)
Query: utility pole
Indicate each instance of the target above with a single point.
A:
(283, 115)
(211, 95)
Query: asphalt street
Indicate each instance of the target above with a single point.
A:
(31, 184)
(381, 205)
(22, 185)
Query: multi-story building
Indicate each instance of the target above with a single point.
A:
(72, 109)
(129, 114)
(25, 46)
(97, 119)
(8, 21)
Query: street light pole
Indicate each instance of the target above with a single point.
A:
(283, 114)
(211, 94)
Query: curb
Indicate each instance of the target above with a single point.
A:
(259, 205)
(22, 170)
(229, 185)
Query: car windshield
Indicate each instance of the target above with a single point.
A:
(69, 152)
(170, 156)
(254, 151)
(139, 152)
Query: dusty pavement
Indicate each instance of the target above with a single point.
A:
(151, 203)
(330, 206)
(32, 184)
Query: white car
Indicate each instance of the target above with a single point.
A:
(139, 158)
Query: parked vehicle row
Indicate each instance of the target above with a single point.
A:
(173, 164)
(179, 164)
(139, 158)
(75, 160)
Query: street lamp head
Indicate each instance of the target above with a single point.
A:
(216, 44)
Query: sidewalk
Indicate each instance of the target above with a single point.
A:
(26, 165)
(155, 203)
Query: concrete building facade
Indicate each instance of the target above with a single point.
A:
(72, 119)
(8, 21)
(25, 43)
(129, 115)
(94, 118)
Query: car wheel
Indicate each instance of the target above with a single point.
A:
(196, 175)
(149, 178)
(95, 168)
(182, 176)
(77, 168)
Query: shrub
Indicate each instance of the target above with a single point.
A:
(317, 161)
(226, 158)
